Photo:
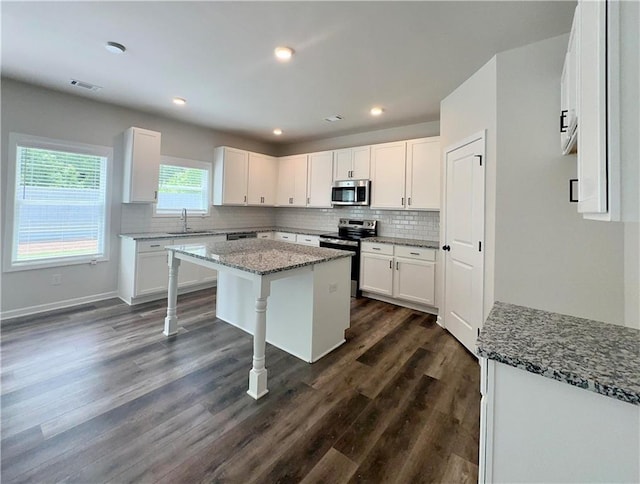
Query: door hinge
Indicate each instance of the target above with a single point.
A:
(480, 158)
(479, 246)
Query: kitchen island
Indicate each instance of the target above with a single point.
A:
(308, 290)
(560, 398)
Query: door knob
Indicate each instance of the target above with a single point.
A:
(446, 247)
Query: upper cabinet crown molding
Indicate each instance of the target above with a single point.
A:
(141, 165)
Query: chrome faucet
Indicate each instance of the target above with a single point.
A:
(183, 217)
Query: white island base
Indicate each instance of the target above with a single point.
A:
(308, 312)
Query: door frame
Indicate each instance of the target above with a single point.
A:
(482, 136)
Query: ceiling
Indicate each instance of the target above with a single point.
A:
(349, 56)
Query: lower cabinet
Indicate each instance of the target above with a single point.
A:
(400, 272)
(285, 237)
(144, 270)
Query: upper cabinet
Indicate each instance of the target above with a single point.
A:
(292, 181)
(230, 171)
(352, 163)
(319, 179)
(141, 166)
(262, 180)
(569, 92)
(604, 108)
(406, 175)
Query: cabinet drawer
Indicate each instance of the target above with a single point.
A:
(265, 235)
(421, 253)
(152, 245)
(285, 237)
(377, 248)
(313, 240)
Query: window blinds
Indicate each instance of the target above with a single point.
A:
(183, 187)
(60, 205)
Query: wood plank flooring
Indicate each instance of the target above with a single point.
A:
(97, 394)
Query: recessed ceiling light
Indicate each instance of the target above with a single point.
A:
(277, 131)
(115, 48)
(376, 111)
(179, 101)
(283, 53)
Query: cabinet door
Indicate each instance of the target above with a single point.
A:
(262, 180)
(423, 174)
(342, 164)
(234, 176)
(286, 181)
(320, 179)
(299, 180)
(142, 165)
(361, 163)
(376, 273)
(388, 175)
(188, 274)
(152, 273)
(414, 280)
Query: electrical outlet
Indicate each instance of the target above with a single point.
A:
(333, 287)
(56, 279)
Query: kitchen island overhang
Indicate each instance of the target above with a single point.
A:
(308, 290)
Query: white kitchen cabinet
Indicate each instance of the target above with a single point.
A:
(404, 273)
(311, 240)
(320, 179)
(262, 179)
(292, 181)
(388, 175)
(569, 92)
(285, 237)
(406, 175)
(422, 189)
(144, 272)
(265, 235)
(230, 173)
(141, 165)
(352, 163)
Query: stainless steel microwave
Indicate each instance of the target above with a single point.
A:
(351, 192)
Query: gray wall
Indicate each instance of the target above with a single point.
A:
(42, 112)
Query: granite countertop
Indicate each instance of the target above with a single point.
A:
(600, 357)
(205, 233)
(429, 244)
(260, 256)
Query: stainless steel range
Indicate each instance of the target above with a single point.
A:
(350, 233)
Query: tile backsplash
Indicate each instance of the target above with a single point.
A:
(391, 223)
(138, 218)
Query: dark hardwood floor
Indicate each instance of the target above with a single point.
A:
(97, 394)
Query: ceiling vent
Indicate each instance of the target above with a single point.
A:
(333, 119)
(85, 85)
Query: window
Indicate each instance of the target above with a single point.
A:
(183, 184)
(59, 205)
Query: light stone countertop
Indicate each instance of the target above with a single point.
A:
(260, 256)
(599, 357)
(428, 244)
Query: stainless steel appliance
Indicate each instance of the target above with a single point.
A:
(350, 233)
(242, 235)
(351, 192)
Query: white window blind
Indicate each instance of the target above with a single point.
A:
(59, 211)
(183, 184)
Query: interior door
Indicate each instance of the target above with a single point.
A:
(464, 233)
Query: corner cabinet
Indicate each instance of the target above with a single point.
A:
(141, 166)
(405, 175)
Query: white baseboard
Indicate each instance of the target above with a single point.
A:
(41, 308)
(440, 321)
(405, 304)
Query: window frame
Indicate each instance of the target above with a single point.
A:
(39, 142)
(186, 163)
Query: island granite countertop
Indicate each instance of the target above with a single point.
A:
(600, 357)
(260, 256)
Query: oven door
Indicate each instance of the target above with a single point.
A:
(355, 261)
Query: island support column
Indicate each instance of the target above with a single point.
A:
(258, 374)
(171, 321)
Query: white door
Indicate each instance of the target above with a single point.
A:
(464, 234)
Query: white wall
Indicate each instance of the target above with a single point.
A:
(468, 110)
(42, 112)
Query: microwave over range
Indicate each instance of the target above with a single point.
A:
(351, 192)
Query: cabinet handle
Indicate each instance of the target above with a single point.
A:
(402, 202)
(397, 266)
(414, 253)
(572, 199)
(155, 195)
(245, 198)
(308, 200)
(291, 200)
(563, 115)
(409, 200)
(375, 248)
(155, 245)
(390, 264)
